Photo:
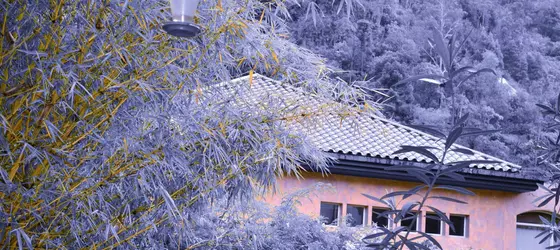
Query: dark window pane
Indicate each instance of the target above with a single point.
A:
(533, 218)
(410, 219)
(459, 223)
(330, 213)
(357, 214)
(379, 220)
(433, 225)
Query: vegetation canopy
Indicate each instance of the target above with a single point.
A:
(109, 133)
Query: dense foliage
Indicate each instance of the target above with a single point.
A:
(257, 225)
(379, 43)
(109, 135)
(549, 155)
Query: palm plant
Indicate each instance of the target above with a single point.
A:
(428, 176)
(550, 155)
(451, 77)
(551, 147)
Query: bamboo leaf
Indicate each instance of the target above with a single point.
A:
(462, 70)
(441, 49)
(456, 189)
(475, 74)
(462, 120)
(455, 134)
(462, 44)
(546, 201)
(547, 109)
(396, 193)
(419, 175)
(428, 130)
(431, 239)
(429, 80)
(454, 176)
(419, 150)
(483, 132)
(416, 78)
(414, 191)
(251, 73)
(442, 216)
(546, 237)
(375, 235)
(452, 48)
(463, 151)
(16, 165)
(374, 198)
(448, 199)
(558, 104)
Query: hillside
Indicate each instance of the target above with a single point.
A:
(378, 43)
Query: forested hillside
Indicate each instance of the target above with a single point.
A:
(377, 43)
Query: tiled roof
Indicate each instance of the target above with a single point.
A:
(357, 134)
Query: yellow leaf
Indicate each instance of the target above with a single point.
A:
(17, 105)
(222, 128)
(22, 14)
(251, 78)
(274, 56)
(47, 129)
(15, 168)
(90, 40)
(241, 62)
(262, 17)
(40, 168)
(125, 146)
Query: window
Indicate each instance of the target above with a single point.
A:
(330, 213)
(534, 218)
(411, 221)
(356, 215)
(380, 221)
(530, 225)
(433, 224)
(460, 223)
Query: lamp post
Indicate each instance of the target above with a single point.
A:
(182, 25)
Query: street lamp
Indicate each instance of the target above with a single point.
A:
(182, 12)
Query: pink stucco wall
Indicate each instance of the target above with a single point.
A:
(492, 214)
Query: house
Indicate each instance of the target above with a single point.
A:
(500, 216)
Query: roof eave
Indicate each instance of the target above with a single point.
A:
(371, 167)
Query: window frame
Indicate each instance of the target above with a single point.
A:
(390, 221)
(465, 225)
(364, 214)
(441, 224)
(418, 224)
(528, 224)
(339, 214)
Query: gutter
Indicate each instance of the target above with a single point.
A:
(370, 167)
